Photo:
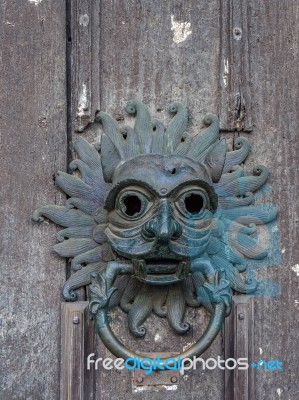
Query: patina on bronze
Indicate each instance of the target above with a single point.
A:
(158, 221)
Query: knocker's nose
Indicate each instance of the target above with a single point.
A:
(162, 227)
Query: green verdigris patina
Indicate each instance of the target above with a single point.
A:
(158, 221)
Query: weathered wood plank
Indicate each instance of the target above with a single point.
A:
(238, 343)
(146, 54)
(234, 75)
(228, 344)
(77, 342)
(33, 148)
(241, 347)
(251, 349)
(84, 39)
(274, 57)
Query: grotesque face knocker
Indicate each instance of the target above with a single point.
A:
(158, 221)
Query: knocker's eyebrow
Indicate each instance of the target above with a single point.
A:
(109, 202)
(195, 182)
(202, 185)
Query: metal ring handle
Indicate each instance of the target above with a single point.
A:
(120, 350)
(101, 291)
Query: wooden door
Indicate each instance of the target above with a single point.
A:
(63, 61)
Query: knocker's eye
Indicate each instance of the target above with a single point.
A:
(193, 203)
(132, 204)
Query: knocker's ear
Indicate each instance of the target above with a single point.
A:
(110, 158)
(215, 160)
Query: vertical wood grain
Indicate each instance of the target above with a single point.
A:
(239, 343)
(140, 58)
(84, 39)
(234, 75)
(33, 147)
(274, 54)
(77, 342)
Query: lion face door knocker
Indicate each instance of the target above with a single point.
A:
(158, 221)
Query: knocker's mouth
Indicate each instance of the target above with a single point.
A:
(161, 271)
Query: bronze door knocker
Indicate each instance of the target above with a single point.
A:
(159, 220)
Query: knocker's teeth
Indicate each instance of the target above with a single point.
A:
(161, 271)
